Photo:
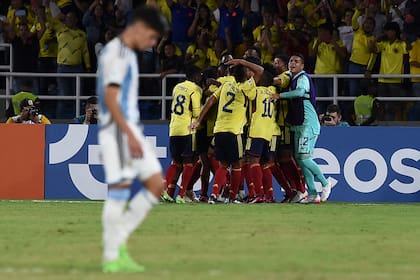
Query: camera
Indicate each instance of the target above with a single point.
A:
(33, 112)
(94, 112)
(327, 118)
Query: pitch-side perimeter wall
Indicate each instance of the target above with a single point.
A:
(365, 164)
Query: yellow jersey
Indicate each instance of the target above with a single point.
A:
(72, 45)
(415, 56)
(327, 59)
(392, 59)
(48, 45)
(263, 117)
(206, 59)
(266, 55)
(233, 100)
(186, 105)
(360, 52)
(30, 18)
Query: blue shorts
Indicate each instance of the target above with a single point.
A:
(258, 147)
(182, 147)
(228, 147)
(304, 142)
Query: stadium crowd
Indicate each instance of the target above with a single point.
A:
(342, 36)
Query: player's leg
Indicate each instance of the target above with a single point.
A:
(174, 170)
(267, 178)
(149, 172)
(276, 151)
(236, 173)
(188, 156)
(254, 149)
(115, 155)
(205, 177)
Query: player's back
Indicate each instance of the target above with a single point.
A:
(117, 66)
(264, 114)
(233, 98)
(185, 106)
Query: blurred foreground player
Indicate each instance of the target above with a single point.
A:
(125, 152)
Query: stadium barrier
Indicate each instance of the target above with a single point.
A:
(163, 97)
(364, 164)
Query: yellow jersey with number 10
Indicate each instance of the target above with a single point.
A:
(264, 114)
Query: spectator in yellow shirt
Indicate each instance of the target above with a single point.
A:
(392, 51)
(73, 57)
(267, 37)
(361, 55)
(415, 65)
(329, 52)
(18, 13)
(200, 54)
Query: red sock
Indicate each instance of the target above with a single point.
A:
(220, 179)
(247, 174)
(205, 178)
(291, 171)
(256, 174)
(195, 174)
(235, 182)
(187, 173)
(281, 179)
(214, 163)
(268, 183)
(171, 176)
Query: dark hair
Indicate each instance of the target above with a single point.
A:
(254, 60)
(393, 26)
(268, 67)
(326, 27)
(91, 100)
(299, 55)
(333, 108)
(151, 17)
(239, 73)
(210, 72)
(192, 71)
(266, 79)
(207, 24)
(371, 19)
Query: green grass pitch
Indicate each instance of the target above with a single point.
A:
(62, 240)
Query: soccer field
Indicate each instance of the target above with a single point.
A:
(62, 240)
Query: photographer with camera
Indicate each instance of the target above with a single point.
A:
(91, 112)
(29, 114)
(332, 117)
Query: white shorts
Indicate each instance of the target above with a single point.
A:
(119, 166)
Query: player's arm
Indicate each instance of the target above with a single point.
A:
(302, 88)
(111, 94)
(196, 103)
(256, 69)
(210, 102)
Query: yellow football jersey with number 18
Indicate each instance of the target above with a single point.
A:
(233, 98)
(186, 105)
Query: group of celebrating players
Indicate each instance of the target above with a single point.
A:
(216, 111)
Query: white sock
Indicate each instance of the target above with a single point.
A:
(113, 232)
(137, 210)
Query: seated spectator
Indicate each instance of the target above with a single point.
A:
(91, 112)
(366, 106)
(392, 50)
(332, 117)
(24, 93)
(29, 114)
(203, 21)
(200, 54)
